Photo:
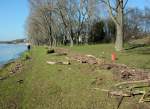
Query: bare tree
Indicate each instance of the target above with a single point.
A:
(116, 12)
(56, 21)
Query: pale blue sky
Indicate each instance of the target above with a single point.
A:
(139, 3)
(13, 14)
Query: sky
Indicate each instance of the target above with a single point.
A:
(138, 3)
(13, 15)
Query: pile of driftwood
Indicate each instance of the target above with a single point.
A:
(130, 89)
(16, 68)
(89, 59)
(122, 71)
(126, 73)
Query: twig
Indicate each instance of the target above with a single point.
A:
(120, 101)
(142, 98)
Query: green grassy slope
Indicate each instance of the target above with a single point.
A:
(65, 86)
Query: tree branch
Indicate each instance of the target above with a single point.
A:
(110, 11)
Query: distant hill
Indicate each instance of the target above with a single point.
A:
(17, 41)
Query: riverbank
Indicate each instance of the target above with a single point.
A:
(10, 52)
(42, 86)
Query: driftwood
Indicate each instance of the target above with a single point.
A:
(142, 98)
(133, 82)
(120, 101)
(61, 63)
(124, 94)
(117, 93)
(127, 94)
(3, 78)
(131, 91)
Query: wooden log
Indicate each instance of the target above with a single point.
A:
(142, 98)
(120, 101)
(133, 82)
(117, 93)
(63, 63)
(125, 94)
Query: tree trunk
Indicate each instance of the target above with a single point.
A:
(119, 25)
(71, 42)
(119, 38)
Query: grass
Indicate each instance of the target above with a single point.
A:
(66, 86)
(138, 57)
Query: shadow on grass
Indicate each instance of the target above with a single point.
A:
(134, 46)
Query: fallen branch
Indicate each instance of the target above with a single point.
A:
(3, 78)
(142, 98)
(141, 86)
(61, 63)
(117, 93)
(121, 93)
(120, 101)
(132, 82)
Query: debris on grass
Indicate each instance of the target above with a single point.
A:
(133, 82)
(124, 72)
(18, 67)
(121, 71)
(89, 59)
(131, 89)
(61, 63)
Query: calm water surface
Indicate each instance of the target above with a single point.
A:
(10, 51)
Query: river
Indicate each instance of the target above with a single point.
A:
(10, 52)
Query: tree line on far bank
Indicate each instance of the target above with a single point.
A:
(70, 22)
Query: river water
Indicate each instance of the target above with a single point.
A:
(10, 52)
